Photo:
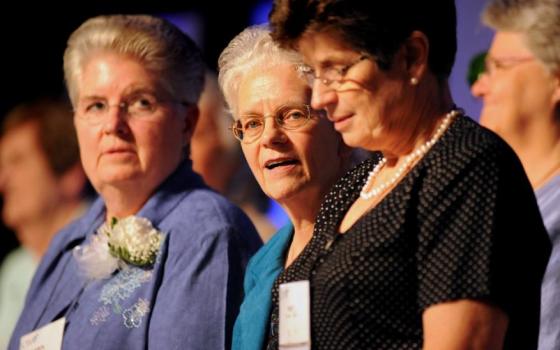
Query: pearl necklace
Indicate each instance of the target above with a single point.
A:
(417, 154)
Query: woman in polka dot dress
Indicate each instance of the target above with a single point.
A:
(437, 243)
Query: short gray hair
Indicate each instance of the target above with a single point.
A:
(252, 48)
(537, 20)
(163, 49)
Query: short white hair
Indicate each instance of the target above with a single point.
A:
(250, 49)
(161, 47)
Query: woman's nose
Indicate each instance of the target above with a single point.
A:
(322, 95)
(116, 120)
(272, 133)
(480, 86)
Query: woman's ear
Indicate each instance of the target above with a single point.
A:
(416, 50)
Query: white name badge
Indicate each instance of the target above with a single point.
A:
(294, 329)
(48, 337)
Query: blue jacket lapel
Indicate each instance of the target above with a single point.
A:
(58, 292)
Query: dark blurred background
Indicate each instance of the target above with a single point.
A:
(33, 37)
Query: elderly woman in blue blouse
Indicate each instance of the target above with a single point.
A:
(158, 260)
(295, 155)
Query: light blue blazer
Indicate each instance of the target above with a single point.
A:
(188, 300)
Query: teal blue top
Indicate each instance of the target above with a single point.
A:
(251, 326)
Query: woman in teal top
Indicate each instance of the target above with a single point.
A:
(296, 156)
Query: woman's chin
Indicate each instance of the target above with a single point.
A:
(355, 140)
(122, 177)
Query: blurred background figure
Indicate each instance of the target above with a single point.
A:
(213, 151)
(521, 94)
(217, 156)
(42, 184)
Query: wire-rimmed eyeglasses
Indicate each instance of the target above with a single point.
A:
(248, 128)
(492, 64)
(332, 76)
(138, 105)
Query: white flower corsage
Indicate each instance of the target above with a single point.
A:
(131, 240)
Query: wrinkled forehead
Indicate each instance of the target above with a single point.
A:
(507, 43)
(108, 74)
(262, 91)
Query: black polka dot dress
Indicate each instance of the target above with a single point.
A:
(462, 224)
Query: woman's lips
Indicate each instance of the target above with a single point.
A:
(340, 123)
(278, 168)
(271, 164)
(118, 152)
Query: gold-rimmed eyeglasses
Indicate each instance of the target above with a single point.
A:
(332, 76)
(248, 128)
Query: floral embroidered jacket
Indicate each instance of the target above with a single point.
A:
(187, 300)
